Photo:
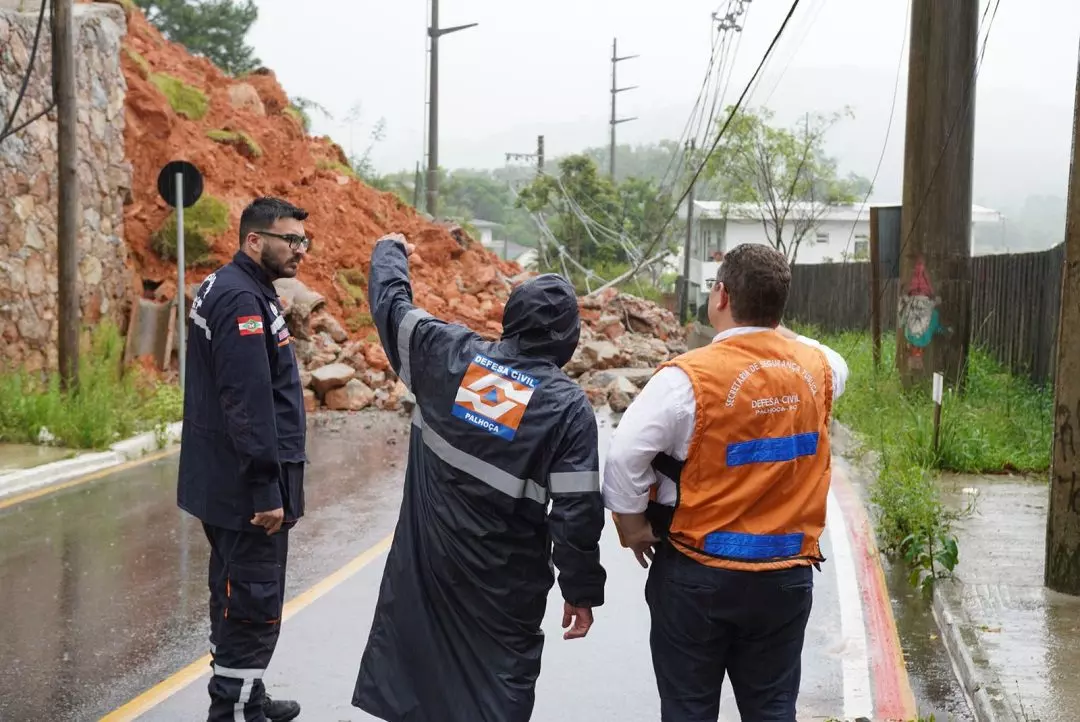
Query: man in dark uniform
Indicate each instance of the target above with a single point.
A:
(499, 435)
(242, 454)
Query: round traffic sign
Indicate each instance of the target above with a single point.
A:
(192, 182)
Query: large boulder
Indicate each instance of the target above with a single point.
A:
(353, 396)
(332, 376)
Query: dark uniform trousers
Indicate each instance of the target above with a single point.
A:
(247, 596)
(708, 622)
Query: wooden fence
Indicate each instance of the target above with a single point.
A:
(1015, 304)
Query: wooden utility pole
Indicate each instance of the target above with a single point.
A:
(435, 32)
(67, 251)
(615, 90)
(933, 332)
(1063, 519)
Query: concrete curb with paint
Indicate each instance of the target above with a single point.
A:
(981, 686)
(36, 478)
(893, 696)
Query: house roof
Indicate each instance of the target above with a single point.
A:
(850, 213)
(481, 223)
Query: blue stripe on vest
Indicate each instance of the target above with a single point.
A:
(752, 547)
(783, 448)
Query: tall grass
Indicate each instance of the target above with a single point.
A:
(110, 403)
(998, 423)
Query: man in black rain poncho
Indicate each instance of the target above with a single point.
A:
(498, 432)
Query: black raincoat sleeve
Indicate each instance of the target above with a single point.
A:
(576, 518)
(242, 369)
(390, 299)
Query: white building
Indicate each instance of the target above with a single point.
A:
(842, 233)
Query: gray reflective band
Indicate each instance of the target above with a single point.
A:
(571, 482)
(491, 475)
(238, 673)
(201, 323)
(404, 341)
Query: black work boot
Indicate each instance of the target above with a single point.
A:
(278, 710)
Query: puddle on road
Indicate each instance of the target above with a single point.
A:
(27, 456)
(937, 691)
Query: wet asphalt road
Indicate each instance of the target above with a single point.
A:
(104, 595)
(103, 586)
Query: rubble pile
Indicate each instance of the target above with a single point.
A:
(247, 140)
(624, 338)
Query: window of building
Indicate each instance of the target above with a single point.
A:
(862, 248)
(822, 237)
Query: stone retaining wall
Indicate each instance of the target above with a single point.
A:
(28, 185)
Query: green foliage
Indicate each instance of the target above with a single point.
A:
(337, 168)
(358, 321)
(302, 117)
(111, 403)
(782, 174)
(354, 282)
(999, 423)
(205, 220)
(238, 138)
(139, 60)
(214, 29)
(185, 99)
(629, 214)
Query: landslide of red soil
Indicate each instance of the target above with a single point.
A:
(451, 281)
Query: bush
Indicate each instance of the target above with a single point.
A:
(998, 423)
(205, 220)
(240, 140)
(186, 100)
(337, 168)
(300, 116)
(111, 403)
(140, 62)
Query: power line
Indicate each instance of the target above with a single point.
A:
(719, 135)
(8, 130)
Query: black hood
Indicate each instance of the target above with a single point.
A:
(541, 318)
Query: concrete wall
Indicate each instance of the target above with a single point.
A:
(28, 185)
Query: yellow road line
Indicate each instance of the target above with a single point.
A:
(201, 667)
(78, 481)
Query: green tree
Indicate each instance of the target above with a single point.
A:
(214, 29)
(778, 176)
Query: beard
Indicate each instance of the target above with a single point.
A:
(280, 268)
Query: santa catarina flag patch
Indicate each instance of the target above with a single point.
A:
(249, 325)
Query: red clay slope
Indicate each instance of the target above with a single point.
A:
(347, 217)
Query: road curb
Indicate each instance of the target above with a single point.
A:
(57, 472)
(984, 691)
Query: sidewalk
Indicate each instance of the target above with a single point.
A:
(1015, 644)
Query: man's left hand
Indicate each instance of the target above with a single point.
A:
(637, 534)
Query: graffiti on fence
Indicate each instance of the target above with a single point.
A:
(918, 313)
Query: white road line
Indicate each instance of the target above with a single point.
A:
(858, 697)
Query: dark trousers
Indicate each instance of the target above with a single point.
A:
(247, 594)
(710, 622)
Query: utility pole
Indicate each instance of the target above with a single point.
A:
(1063, 518)
(615, 90)
(684, 298)
(67, 251)
(934, 326)
(435, 32)
(538, 156)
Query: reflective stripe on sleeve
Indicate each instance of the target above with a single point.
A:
(574, 482)
(404, 341)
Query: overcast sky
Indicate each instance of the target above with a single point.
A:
(543, 67)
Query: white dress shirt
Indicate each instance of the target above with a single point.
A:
(661, 419)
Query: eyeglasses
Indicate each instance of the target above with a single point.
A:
(295, 242)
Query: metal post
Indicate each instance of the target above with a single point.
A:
(181, 292)
(539, 155)
(615, 90)
(684, 301)
(435, 32)
(67, 250)
(875, 286)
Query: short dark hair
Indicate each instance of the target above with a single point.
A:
(264, 212)
(756, 278)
